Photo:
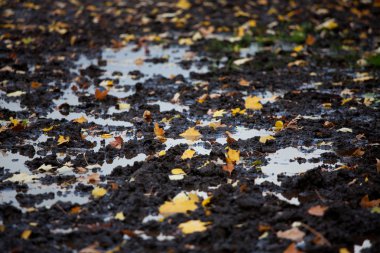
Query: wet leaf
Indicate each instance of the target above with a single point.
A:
(366, 203)
(236, 111)
(100, 94)
(162, 153)
(279, 125)
(264, 139)
(98, 192)
(35, 85)
(123, 106)
(106, 136)
(188, 154)
(193, 226)
(378, 165)
(182, 203)
(158, 131)
(229, 167)
(292, 248)
(219, 113)
(202, 98)
(80, 120)
(253, 103)
(21, 178)
(16, 93)
(47, 129)
(120, 216)
(344, 130)
(63, 139)
(329, 24)
(26, 234)
(93, 178)
(317, 210)
(293, 234)
(183, 4)
(117, 143)
(178, 171)
(216, 124)
(191, 134)
(232, 155)
(244, 82)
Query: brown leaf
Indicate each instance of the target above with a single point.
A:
(117, 143)
(230, 139)
(378, 165)
(147, 116)
(94, 178)
(228, 167)
(243, 82)
(292, 249)
(317, 210)
(358, 152)
(366, 203)
(100, 95)
(293, 234)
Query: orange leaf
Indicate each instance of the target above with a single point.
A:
(100, 95)
(293, 234)
(158, 131)
(117, 143)
(366, 203)
(317, 210)
(229, 167)
(292, 249)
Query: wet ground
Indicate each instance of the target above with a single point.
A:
(133, 126)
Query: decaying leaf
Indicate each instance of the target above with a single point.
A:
(193, 226)
(317, 210)
(366, 203)
(94, 178)
(62, 139)
(100, 94)
(264, 139)
(293, 234)
(253, 103)
(117, 143)
(358, 152)
(98, 192)
(188, 154)
(191, 134)
(182, 203)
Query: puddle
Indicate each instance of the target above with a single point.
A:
(284, 161)
(243, 133)
(107, 168)
(14, 162)
(167, 106)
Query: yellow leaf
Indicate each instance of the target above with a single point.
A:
(193, 226)
(80, 120)
(191, 134)
(15, 122)
(328, 25)
(178, 171)
(123, 106)
(162, 153)
(264, 139)
(243, 82)
(106, 136)
(345, 100)
(344, 250)
(183, 4)
(216, 124)
(185, 41)
(62, 139)
(219, 113)
(26, 234)
(47, 129)
(252, 23)
(158, 131)
(278, 125)
(120, 216)
(98, 192)
(188, 154)
(182, 203)
(202, 98)
(237, 111)
(233, 155)
(206, 201)
(298, 48)
(253, 103)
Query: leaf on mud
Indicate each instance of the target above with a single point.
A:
(242, 61)
(292, 248)
(229, 167)
(244, 82)
(139, 61)
(178, 171)
(182, 203)
(47, 129)
(264, 139)
(253, 103)
(329, 24)
(120, 216)
(100, 94)
(177, 174)
(219, 113)
(191, 134)
(26, 234)
(317, 210)
(188, 154)
(158, 131)
(345, 101)
(230, 138)
(344, 130)
(106, 136)
(214, 125)
(98, 192)
(183, 4)
(15, 122)
(62, 139)
(45, 168)
(293, 234)
(202, 98)
(358, 152)
(80, 120)
(93, 178)
(123, 106)
(35, 85)
(16, 93)
(147, 115)
(117, 143)
(237, 110)
(366, 203)
(279, 125)
(232, 155)
(193, 226)
(21, 178)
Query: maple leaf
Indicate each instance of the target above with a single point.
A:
(293, 234)
(191, 134)
(62, 139)
(193, 226)
(182, 203)
(317, 210)
(98, 192)
(188, 154)
(219, 113)
(253, 103)
(100, 94)
(117, 143)
(264, 139)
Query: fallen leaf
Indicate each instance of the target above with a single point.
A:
(264, 139)
(229, 167)
(21, 178)
(162, 153)
(329, 24)
(293, 234)
(292, 248)
(232, 155)
(344, 250)
(236, 111)
(317, 210)
(230, 138)
(47, 129)
(178, 171)
(120, 216)
(35, 85)
(310, 40)
(117, 143)
(139, 61)
(158, 131)
(242, 61)
(45, 168)
(100, 94)
(279, 125)
(147, 116)
(378, 165)
(80, 120)
(94, 178)
(193, 226)
(26, 234)
(202, 98)
(244, 82)
(216, 124)
(123, 106)
(253, 103)
(358, 152)
(182, 203)
(344, 130)
(366, 203)
(106, 136)
(188, 154)
(183, 4)
(98, 192)
(191, 134)
(16, 93)
(62, 139)
(219, 113)
(298, 48)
